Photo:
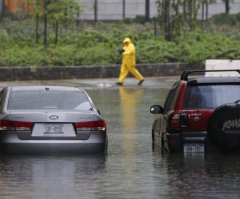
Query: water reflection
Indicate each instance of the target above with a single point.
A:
(129, 99)
(198, 175)
(50, 176)
(131, 169)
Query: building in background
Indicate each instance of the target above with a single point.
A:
(16, 6)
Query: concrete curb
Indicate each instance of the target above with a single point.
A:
(84, 72)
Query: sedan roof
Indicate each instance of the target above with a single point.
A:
(44, 87)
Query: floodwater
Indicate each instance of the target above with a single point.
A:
(130, 169)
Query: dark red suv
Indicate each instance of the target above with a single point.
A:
(200, 114)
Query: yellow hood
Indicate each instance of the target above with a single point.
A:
(127, 40)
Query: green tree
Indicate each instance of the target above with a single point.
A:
(191, 12)
(177, 15)
(38, 12)
(55, 12)
(62, 12)
(169, 17)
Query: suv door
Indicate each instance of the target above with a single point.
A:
(160, 124)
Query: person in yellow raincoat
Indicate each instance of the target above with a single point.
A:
(128, 63)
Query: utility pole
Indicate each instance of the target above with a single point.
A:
(227, 6)
(123, 9)
(147, 10)
(95, 10)
(207, 3)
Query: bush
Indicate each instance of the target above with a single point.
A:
(98, 45)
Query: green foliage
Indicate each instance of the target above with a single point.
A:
(17, 55)
(98, 45)
(4, 39)
(173, 16)
(63, 11)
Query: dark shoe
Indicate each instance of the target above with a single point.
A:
(140, 82)
(119, 83)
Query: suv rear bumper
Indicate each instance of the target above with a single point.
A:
(176, 141)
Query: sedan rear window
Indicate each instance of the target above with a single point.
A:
(210, 96)
(38, 99)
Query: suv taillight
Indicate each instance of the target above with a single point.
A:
(91, 126)
(7, 125)
(177, 121)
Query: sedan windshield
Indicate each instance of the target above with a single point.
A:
(210, 96)
(51, 99)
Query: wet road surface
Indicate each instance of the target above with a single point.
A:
(131, 169)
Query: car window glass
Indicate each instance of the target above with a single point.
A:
(169, 100)
(210, 96)
(38, 99)
(1, 97)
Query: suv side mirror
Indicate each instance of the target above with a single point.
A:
(156, 109)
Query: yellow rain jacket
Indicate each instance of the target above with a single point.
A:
(129, 53)
(128, 61)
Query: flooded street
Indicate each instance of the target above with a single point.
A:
(130, 169)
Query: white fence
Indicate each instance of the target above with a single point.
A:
(120, 9)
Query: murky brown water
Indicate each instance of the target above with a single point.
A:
(131, 169)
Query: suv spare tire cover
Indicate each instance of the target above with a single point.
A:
(224, 127)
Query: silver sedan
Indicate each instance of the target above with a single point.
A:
(50, 119)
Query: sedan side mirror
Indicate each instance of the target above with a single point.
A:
(156, 109)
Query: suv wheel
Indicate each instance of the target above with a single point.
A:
(224, 127)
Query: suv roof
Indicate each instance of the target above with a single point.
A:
(214, 80)
(185, 74)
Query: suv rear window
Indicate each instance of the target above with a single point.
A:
(210, 96)
(36, 99)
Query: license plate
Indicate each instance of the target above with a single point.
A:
(52, 129)
(194, 148)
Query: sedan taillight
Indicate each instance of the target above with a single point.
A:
(91, 126)
(7, 125)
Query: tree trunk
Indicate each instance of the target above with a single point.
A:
(46, 23)
(3, 9)
(184, 10)
(37, 28)
(56, 33)
(45, 30)
(168, 30)
(203, 14)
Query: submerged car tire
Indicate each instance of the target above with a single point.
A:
(224, 127)
(153, 141)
